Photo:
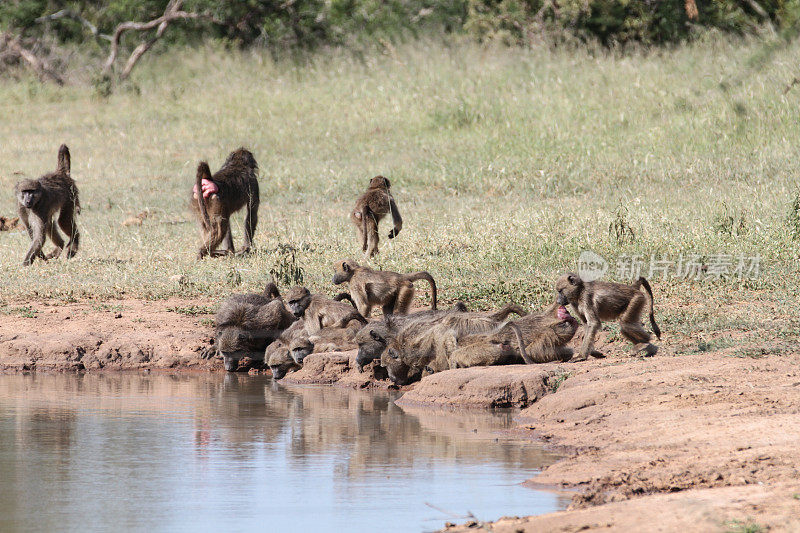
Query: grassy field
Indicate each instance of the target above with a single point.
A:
(506, 164)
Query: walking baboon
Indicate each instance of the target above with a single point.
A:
(245, 328)
(45, 202)
(215, 198)
(319, 311)
(370, 209)
(390, 290)
(596, 302)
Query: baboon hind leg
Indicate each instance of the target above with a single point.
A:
(250, 223)
(402, 303)
(630, 324)
(212, 237)
(372, 236)
(52, 232)
(66, 220)
(227, 242)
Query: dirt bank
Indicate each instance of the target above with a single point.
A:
(693, 439)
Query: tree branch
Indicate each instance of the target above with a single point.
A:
(172, 12)
(40, 66)
(70, 14)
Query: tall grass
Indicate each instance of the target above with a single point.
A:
(506, 164)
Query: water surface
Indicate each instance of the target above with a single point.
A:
(211, 452)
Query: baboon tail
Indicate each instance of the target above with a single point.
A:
(63, 160)
(397, 220)
(271, 290)
(345, 296)
(643, 282)
(203, 172)
(521, 342)
(353, 315)
(424, 275)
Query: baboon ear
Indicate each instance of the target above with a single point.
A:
(375, 336)
(345, 266)
(388, 183)
(572, 279)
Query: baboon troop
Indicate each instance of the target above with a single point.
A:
(264, 328)
(370, 209)
(215, 198)
(391, 291)
(47, 203)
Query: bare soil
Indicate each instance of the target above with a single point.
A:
(687, 440)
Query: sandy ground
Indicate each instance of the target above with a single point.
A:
(705, 441)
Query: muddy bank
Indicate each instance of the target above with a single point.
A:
(682, 441)
(108, 335)
(704, 442)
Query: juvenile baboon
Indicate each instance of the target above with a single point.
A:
(596, 302)
(215, 198)
(244, 329)
(370, 209)
(319, 311)
(390, 290)
(43, 202)
(546, 342)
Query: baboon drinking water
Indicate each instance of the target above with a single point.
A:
(370, 209)
(45, 202)
(319, 311)
(215, 198)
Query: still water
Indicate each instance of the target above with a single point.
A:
(211, 452)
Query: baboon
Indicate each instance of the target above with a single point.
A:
(279, 359)
(244, 329)
(595, 302)
(325, 340)
(372, 338)
(269, 294)
(412, 351)
(319, 311)
(215, 198)
(546, 342)
(370, 209)
(42, 203)
(390, 290)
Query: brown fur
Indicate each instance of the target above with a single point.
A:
(596, 302)
(46, 204)
(238, 187)
(278, 354)
(414, 349)
(319, 311)
(390, 290)
(370, 209)
(245, 326)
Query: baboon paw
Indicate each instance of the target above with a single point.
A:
(598, 355)
(579, 358)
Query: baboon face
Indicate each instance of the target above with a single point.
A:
(379, 182)
(235, 344)
(371, 340)
(569, 287)
(344, 271)
(395, 367)
(300, 348)
(297, 300)
(279, 361)
(29, 192)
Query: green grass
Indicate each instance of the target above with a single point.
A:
(506, 164)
